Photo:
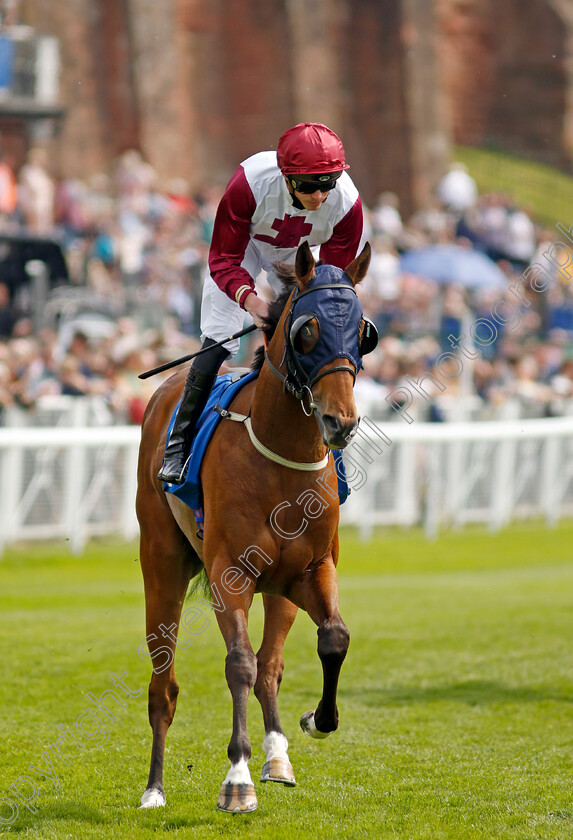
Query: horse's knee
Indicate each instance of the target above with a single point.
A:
(241, 667)
(333, 640)
(162, 699)
(269, 676)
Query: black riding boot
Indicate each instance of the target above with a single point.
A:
(198, 385)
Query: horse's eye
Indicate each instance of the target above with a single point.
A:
(305, 336)
(367, 337)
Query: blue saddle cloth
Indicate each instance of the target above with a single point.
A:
(224, 391)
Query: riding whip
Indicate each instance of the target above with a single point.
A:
(180, 361)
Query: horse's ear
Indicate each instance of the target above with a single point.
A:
(304, 265)
(358, 268)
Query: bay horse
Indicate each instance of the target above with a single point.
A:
(260, 478)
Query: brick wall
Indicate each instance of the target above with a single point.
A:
(529, 100)
(84, 143)
(504, 71)
(197, 85)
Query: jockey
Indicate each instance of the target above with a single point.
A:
(272, 203)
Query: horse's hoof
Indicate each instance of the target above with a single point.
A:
(278, 770)
(308, 725)
(153, 798)
(237, 798)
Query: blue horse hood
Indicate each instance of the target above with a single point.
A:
(331, 298)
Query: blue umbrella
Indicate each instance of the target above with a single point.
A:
(451, 264)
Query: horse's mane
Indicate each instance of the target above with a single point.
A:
(285, 273)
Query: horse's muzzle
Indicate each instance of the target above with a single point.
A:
(337, 434)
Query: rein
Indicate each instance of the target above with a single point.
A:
(302, 392)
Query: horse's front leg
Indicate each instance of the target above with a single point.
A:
(320, 599)
(237, 794)
(279, 616)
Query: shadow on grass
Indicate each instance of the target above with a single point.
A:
(56, 812)
(49, 816)
(470, 692)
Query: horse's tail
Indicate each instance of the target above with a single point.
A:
(199, 586)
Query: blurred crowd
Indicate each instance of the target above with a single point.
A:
(518, 339)
(136, 255)
(136, 252)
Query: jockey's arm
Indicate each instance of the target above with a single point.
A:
(343, 245)
(231, 235)
(257, 308)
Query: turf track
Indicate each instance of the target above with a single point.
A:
(455, 699)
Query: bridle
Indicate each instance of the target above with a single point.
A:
(297, 381)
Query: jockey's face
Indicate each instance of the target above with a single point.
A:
(310, 200)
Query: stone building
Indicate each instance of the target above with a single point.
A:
(507, 74)
(197, 85)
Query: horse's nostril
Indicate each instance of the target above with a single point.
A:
(336, 428)
(333, 424)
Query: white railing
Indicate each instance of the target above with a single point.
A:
(75, 483)
(68, 483)
(454, 473)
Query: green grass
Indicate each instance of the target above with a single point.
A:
(545, 191)
(455, 698)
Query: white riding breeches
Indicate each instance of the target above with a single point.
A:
(222, 317)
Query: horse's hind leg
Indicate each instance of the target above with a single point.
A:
(279, 616)
(168, 562)
(320, 599)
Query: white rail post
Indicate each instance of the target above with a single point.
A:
(454, 454)
(550, 479)
(502, 497)
(406, 508)
(75, 482)
(129, 518)
(11, 470)
(432, 501)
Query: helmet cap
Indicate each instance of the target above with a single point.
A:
(310, 149)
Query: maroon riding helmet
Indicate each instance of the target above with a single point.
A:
(310, 148)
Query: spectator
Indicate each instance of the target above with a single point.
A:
(8, 193)
(429, 225)
(383, 281)
(134, 181)
(457, 190)
(130, 238)
(7, 315)
(129, 394)
(70, 207)
(80, 349)
(385, 217)
(36, 193)
(521, 239)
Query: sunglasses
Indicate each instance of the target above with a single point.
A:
(308, 187)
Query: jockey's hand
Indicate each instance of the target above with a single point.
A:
(257, 308)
